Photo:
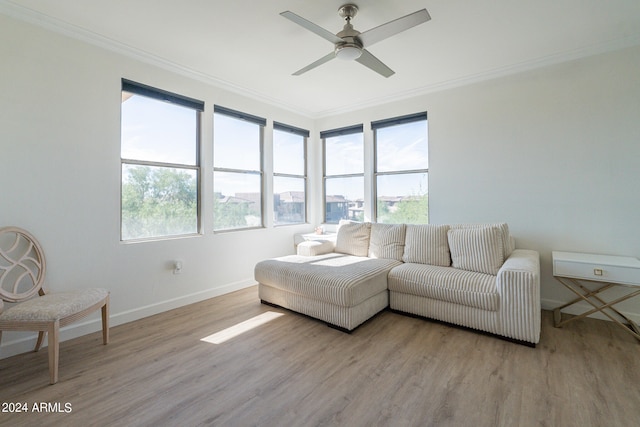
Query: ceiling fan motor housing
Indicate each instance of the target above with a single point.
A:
(351, 47)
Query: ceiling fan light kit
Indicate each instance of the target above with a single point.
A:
(348, 51)
(350, 44)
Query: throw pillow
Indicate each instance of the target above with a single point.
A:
(387, 241)
(353, 239)
(427, 244)
(507, 242)
(477, 249)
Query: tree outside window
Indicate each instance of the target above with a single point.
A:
(159, 162)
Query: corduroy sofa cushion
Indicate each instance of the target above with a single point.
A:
(507, 242)
(427, 244)
(446, 284)
(353, 239)
(477, 249)
(387, 241)
(315, 247)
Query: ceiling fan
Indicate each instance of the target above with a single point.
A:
(350, 44)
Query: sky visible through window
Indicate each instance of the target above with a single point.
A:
(399, 148)
(402, 148)
(235, 143)
(158, 131)
(345, 156)
(236, 146)
(288, 153)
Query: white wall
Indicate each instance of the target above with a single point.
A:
(60, 174)
(554, 152)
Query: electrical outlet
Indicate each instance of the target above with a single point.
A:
(177, 267)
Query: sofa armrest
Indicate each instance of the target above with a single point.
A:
(522, 260)
(518, 284)
(315, 247)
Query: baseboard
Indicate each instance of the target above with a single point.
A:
(93, 323)
(581, 307)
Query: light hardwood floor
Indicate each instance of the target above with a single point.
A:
(294, 371)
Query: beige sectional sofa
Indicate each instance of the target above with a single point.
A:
(466, 274)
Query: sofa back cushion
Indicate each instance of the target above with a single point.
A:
(353, 239)
(387, 241)
(507, 242)
(478, 249)
(427, 244)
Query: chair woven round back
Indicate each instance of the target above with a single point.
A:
(22, 265)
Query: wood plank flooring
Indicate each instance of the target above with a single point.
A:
(294, 371)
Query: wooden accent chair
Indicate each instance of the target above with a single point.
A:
(22, 270)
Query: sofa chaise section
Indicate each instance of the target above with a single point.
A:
(339, 284)
(342, 290)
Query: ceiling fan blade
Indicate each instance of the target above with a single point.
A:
(370, 61)
(394, 27)
(328, 57)
(325, 34)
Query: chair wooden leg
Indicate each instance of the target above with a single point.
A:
(54, 351)
(40, 339)
(105, 322)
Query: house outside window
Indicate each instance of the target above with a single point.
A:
(160, 163)
(343, 177)
(401, 169)
(289, 174)
(237, 170)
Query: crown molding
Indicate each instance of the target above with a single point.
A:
(53, 24)
(542, 62)
(61, 27)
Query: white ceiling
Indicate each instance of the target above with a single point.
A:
(248, 47)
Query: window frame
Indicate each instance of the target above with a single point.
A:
(324, 135)
(261, 122)
(305, 137)
(386, 123)
(175, 99)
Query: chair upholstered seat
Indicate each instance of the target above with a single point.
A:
(22, 272)
(52, 307)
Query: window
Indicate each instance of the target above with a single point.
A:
(289, 174)
(160, 139)
(237, 169)
(343, 174)
(401, 169)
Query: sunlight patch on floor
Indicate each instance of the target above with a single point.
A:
(242, 327)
